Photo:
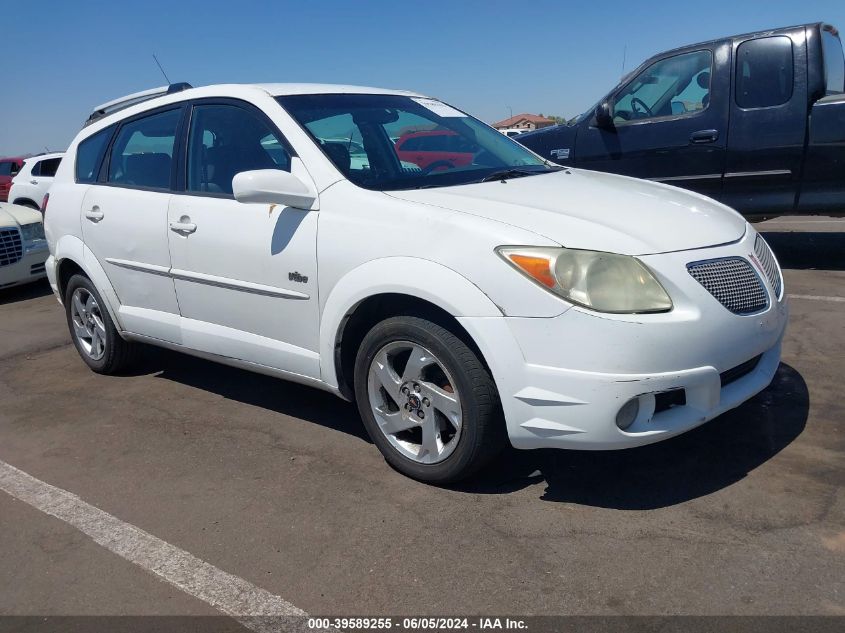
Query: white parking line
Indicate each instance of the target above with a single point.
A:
(781, 221)
(818, 298)
(230, 594)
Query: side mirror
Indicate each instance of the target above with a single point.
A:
(603, 116)
(273, 186)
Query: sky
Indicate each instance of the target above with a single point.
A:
(489, 58)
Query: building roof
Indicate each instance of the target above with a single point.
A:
(533, 118)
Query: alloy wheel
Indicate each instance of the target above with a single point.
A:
(88, 326)
(415, 402)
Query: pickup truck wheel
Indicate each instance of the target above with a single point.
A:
(92, 330)
(427, 401)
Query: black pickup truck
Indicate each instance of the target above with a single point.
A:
(756, 121)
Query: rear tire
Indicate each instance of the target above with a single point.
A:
(427, 400)
(92, 329)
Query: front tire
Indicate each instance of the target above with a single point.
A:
(92, 330)
(427, 400)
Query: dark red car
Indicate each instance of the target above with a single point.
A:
(9, 168)
(434, 150)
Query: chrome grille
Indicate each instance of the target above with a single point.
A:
(770, 265)
(11, 248)
(733, 282)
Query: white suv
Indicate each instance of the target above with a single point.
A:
(34, 179)
(502, 297)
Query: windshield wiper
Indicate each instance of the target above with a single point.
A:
(512, 172)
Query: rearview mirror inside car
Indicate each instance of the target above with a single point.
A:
(273, 186)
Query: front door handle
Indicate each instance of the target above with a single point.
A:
(33, 182)
(94, 214)
(184, 226)
(704, 136)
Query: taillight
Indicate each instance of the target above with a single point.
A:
(44, 204)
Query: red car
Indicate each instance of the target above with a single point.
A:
(9, 168)
(435, 150)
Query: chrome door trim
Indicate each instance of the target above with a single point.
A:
(752, 174)
(236, 284)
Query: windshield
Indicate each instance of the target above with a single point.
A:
(389, 142)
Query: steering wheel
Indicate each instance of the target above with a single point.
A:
(438, 164)
(645, 108)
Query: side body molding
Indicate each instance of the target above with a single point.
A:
(412, 276)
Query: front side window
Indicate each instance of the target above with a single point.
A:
(90, 153)
(142, 154)
(6, 168)
(670, 87)
(389, 142)
(225, 140)
(764, 72)
(834, 62)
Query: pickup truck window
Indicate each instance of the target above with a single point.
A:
(764, 72)
(834, 62)
(670, 87)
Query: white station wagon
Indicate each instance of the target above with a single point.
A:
(495, 298)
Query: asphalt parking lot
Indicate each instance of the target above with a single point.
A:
(276, 485)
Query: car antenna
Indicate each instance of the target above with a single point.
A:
(161, 69)
(624, 55)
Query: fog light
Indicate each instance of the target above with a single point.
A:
(628, 413)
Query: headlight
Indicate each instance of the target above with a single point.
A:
(32, 232)
(604, 282)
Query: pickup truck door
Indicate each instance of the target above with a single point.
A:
(669, 123)
(768, 124)
(823, 184)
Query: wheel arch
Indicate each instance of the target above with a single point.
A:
(72, 256)
(393, 286)
(27, 202)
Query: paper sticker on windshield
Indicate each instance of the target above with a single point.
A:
(438, 107)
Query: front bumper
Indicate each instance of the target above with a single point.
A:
(30, 267)
(563, 380)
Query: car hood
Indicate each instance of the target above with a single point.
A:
(595, 211)
(15, 214)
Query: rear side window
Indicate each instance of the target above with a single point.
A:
(46, 168)
(142, 153)
(89, 154)
(764, 72)
(412, 144)
(6, 169)
(834, 62)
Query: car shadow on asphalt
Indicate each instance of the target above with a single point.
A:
(803, 251)
(700, 462)
(21, 293)
(240, 385)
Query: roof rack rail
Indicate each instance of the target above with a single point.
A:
(111, 107)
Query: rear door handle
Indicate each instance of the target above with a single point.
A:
(94, 214)
(184, 227)
(704, 136)
(33, 182)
